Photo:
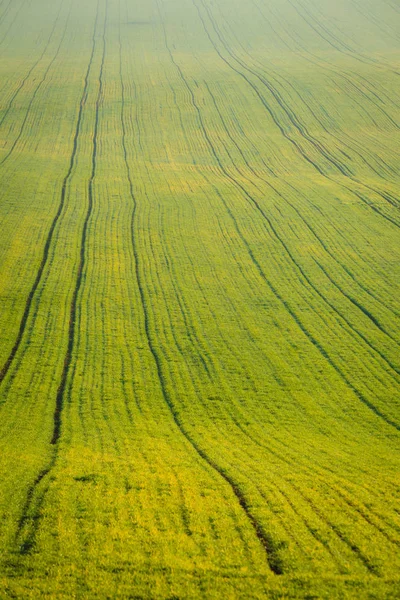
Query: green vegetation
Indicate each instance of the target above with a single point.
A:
(199, 299)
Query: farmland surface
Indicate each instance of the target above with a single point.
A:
(199, 299)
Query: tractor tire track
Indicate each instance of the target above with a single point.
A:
(5, 368)
(353, 547)
(310, 472)
(341, 168)
(81, 266)
(275, 94)
(254, 202)
(28, 541)
(330, 38)
(233, 352)
(24, 80)
(265, 540)
(34, 95)
(329, 67)
(342, 44)
(371, 567)
(394, 202)
(270, 111)
(267, 182)
(271, 186)
(352, 300)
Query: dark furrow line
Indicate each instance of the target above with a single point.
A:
(184, 512)
(271, 186)
(1, 3)
(349, 243)
(385, 195)
(261, 98)
(307, 469)
(12, 23)
(310, 530)
(357, 194)
(351, 504)
(313, 531)
(366, 313)
(27, 544)
(395, 202)
(244, 273)
(101, 307)
(321, 295)
(236, 357)
(276, 95)
(326, 64)
(394, 6)
(5, 368)
(336, 529)
(232, 349)
(29, 540)
(348, 146)
(24, 80)
(190, 329)
(233, 140)
(238, 265)
(307, 224)
(335, 36)
(288, 529)
(341, 47)
(298, 127)
(372, 568)
(292, 117)
(363, 309)
(81, 266)
(265, 540)
(337, 44)
(269, 545)
(234, 354)
(6, 157)
(364, 515)
(339, 141)
(311, 338)
(128, 408)
(310, 469)
(381, 25)
(178, 344)
(365, 201)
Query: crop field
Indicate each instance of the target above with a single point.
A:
(199, 299)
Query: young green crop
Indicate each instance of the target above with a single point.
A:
(199, 291)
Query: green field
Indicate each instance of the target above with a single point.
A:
(199, 299)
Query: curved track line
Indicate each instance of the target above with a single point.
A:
(4, 370)
(299, 128)
(266, 541)
(29, 541)
(7, 156)
(24, 80)
(254, 202)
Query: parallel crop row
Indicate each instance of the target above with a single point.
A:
(199, 376)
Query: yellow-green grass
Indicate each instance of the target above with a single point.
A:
(199, 288)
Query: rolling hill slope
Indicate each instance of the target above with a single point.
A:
(200, 299)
